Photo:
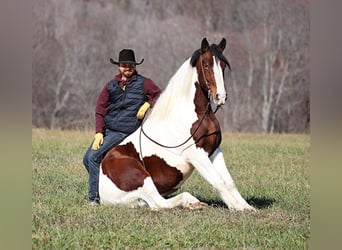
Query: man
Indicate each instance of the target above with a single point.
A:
(119, 111)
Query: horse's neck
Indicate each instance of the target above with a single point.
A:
(178, 97)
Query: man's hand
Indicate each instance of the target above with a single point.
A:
(98, 140)
(142, 110)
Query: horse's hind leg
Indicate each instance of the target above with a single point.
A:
(155, 201)
(123, 180)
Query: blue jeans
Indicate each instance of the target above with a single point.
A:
(92, 160)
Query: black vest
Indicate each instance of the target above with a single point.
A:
(124, 105)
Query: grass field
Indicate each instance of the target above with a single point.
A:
(270, 171)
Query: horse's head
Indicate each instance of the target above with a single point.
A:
(210, 64)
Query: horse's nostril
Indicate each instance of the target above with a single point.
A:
(218, 96)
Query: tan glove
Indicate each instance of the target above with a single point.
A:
(142, 110)
(98, 140)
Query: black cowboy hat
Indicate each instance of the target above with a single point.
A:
(126, 56)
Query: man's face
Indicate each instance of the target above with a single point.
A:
(126, 69)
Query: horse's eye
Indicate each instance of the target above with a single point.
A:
(206, 66)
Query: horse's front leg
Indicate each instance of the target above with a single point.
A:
(233, 197)
(214, 170)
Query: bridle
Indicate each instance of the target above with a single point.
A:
(205, 78)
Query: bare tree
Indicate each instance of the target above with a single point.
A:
(268, 88)
(267, 38)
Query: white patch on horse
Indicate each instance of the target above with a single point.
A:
(221, 92)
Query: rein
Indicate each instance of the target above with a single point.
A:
(181, 144)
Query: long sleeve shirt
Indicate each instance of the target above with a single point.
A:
(151, 90)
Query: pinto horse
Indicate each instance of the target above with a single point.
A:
(181, 133)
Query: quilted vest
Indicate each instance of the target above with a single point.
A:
(124, 105)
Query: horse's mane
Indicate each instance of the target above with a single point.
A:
(176, 92)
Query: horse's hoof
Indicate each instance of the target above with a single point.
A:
(252, 209)
(249, 208)
(197, 205)
(244, 209)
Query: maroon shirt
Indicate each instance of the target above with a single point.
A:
(151, 90)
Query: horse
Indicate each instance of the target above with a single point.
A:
(179, 134)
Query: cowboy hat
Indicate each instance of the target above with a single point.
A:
(126, 56)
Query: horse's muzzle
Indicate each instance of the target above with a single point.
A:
(220, 99)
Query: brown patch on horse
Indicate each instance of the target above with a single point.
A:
(123, 166)
(165, 177)
(206, 129)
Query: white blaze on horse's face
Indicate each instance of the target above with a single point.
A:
(221, 94)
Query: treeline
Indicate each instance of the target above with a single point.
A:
(267, 46)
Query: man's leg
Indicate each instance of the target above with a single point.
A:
(92, 160)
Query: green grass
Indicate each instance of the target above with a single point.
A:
(271, 172)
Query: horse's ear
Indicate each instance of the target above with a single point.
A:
(204, 45)
(222, 45)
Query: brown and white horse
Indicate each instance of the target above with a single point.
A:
(180, 134)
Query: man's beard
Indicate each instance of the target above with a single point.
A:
(128, 73)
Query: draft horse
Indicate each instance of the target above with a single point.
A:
(181, 133)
